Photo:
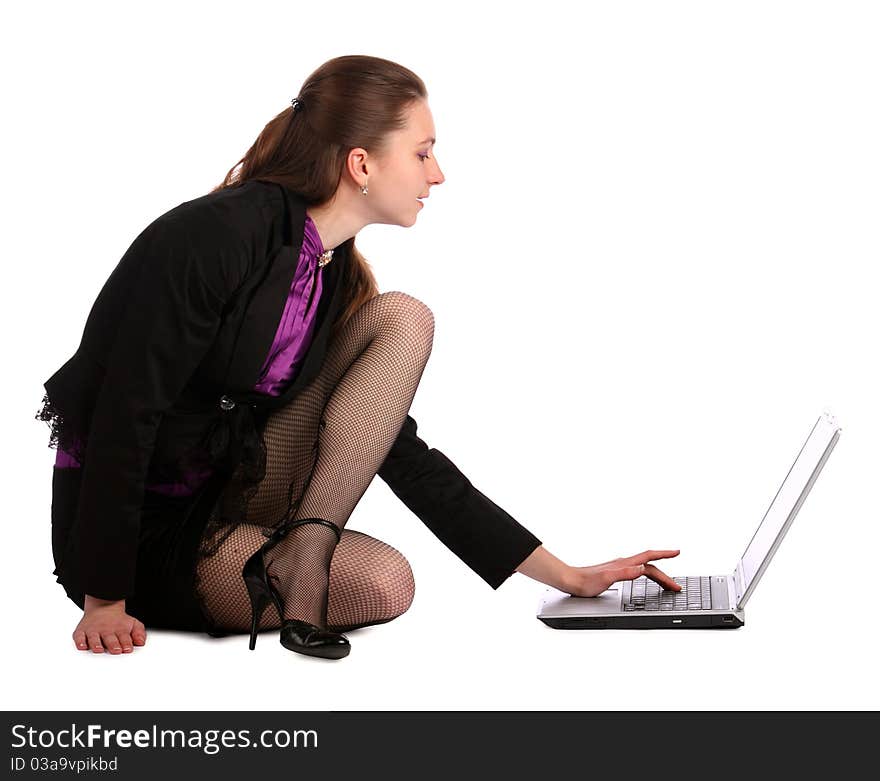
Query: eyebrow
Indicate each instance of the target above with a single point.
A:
(432, 140)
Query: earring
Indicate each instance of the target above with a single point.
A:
(364, 188)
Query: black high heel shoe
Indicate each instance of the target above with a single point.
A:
(299, 636)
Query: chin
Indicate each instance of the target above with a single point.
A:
(405, 218)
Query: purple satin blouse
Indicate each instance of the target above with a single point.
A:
(292, 340)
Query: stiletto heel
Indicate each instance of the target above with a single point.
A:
(259, 590)
(299, 636)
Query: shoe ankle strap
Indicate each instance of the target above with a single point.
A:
(285, 526)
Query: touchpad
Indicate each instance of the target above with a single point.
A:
(567, 605)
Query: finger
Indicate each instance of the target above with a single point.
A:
(125, 641)
(94, 641)
(79, 638)
(139, 634)
(661, 577)
(650, 555)
(111, 641)
(627, 573)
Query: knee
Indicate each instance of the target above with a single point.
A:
(394, 587)
(408, 312)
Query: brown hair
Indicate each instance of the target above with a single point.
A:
(349, 101)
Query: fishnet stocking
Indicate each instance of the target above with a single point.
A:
(324, 448)
(370, 582)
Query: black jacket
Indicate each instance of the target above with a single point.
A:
(188, 316)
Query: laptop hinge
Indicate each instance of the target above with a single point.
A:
(738, 584)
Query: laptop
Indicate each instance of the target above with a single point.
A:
(713, 601)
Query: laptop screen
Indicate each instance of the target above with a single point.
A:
(787, 502)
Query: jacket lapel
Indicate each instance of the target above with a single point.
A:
(264, 312)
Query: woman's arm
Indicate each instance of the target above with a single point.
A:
(482, 534)
(543, 566)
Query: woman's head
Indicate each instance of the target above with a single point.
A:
(401, 170)
(362, 120)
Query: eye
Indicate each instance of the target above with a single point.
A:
(424, 157)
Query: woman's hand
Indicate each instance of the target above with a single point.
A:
(591, 581)
(106, 624)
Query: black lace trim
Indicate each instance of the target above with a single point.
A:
(66, 432)
(226, 437)
(235, 445)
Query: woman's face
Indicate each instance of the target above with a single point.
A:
(405, 171)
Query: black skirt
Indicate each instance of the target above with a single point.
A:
(168, 542)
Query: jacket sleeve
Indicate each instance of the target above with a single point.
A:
(173, 310)
(473, 527)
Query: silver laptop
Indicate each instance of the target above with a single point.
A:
(711, 601)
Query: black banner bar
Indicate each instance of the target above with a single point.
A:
(394, 744)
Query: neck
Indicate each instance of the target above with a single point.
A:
(337, 220)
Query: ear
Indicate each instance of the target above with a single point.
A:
(357, 165)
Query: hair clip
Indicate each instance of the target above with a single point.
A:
(296, 103)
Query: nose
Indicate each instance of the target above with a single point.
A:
(438, 177)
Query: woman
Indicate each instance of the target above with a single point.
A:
(240, 382)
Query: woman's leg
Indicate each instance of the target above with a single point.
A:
(323, 451)
(370, 583)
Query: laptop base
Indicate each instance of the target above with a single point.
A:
(643, 621)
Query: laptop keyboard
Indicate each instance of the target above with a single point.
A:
(647, 594)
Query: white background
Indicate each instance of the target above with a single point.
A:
(652, 265)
